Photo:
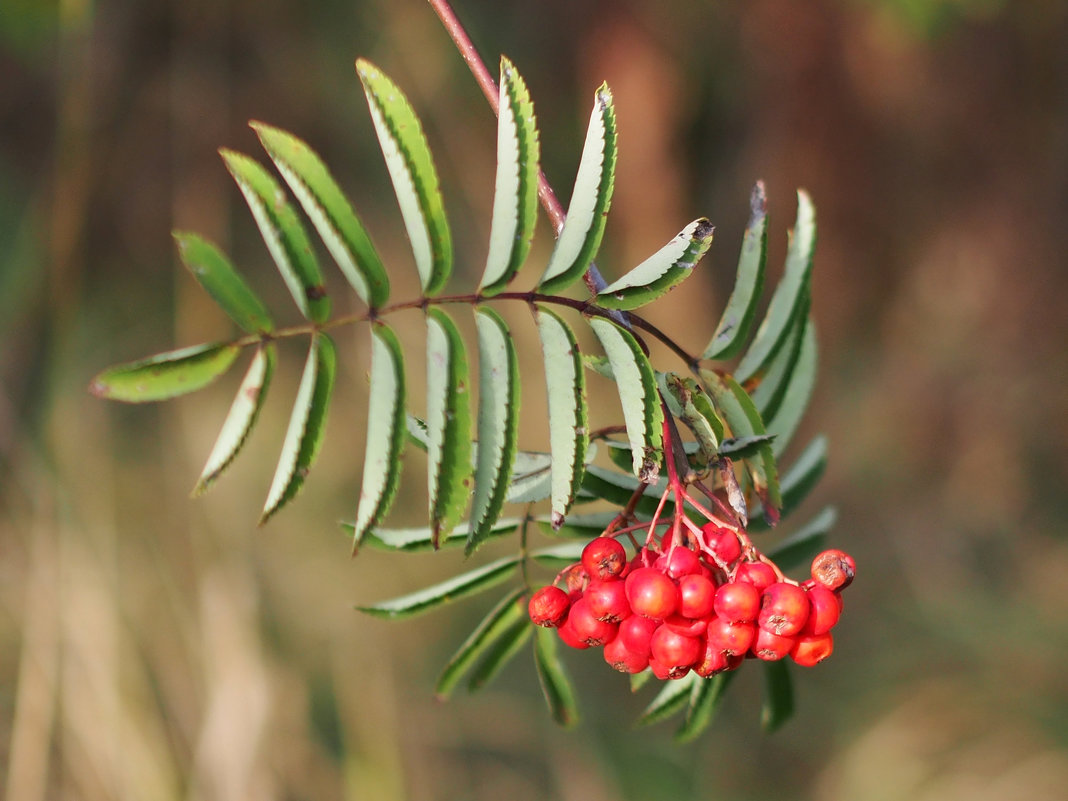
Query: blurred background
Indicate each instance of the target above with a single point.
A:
(157, 647)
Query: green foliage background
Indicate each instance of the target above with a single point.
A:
(157, 647)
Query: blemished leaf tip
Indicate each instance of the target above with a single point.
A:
(556, 520)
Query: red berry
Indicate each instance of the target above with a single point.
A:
(824, 609)
(697, 595)
(722, 542)
(783, 609)
(711, 661)
(603, 558)
(651, 593)
(834, 569)
(687, 626)
(568, 635)
(664, 672)
(678, 562)
(758, 574)
(770, 646)
(731, 638)
(608, 600)
(636, 631)
(737, 602)
(674, 650)
(548, 606)
(623, 659)
(587, 627)
(813, 649)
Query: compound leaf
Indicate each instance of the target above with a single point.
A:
(461, 586)
(798, 392)
(789, 294)
(555, 684)
(242, 416)
(704, 703)
(671, 698)
(800, 479)
(500, 653)
(662, 271)
(415, 180)
(498, 416)
(448, 423)
(386, 431)
(580, 237)
(733, 329)
(421, 538)
(217, 275)
(499, 621)
(568, 428)
(283, 234)
(778, 703)
(329, 211)
(638, 394)
(307, 424)
(515, 199)
(165, 375)
(770, 391)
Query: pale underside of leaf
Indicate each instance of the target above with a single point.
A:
(662, 271)
(415, 180)
(498, 417)
(790, 292)
(508, 611)
(733, 329)
(307, 424)
(568, 426)
(448, 423)
(769, 392)
(386, 432)
(213, 271)
(580, 237)
(555, 684)
(329, 211)
(515, 199)
(421, 538)
(462, 586)
(165, 375)
(242, 416)
(798, 393)
(283, 234)
(638, 395)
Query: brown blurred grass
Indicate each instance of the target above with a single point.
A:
(157, 647)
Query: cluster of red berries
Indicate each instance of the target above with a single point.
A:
(705, 609)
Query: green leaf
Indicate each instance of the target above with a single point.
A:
(217, 275)
(788, 295)
(307, 424)
(500, 654)
(568, 427)
(800, 479)
(498, 417)
(415, 180)
(616, 488)
(559, 555)
(165, 375)
(515, 199)
(744, 447)
(705, 700)
(554, 681)
(803, 545)
(421, 538)
(778, 704)
(697, 412)
(768, 394)
(662, 271)
(580, 237)
(283, 234)
(733, 329)
(329, 211)
(584, 527)
(386, 432)
(448, 423)
(798, 393)
(672, 697)
(638, 395)
(461, 586)
(744, 421)
(242, 416)
(531, 477)
(499, 621)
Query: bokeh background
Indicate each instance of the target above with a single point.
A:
(157, 647)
